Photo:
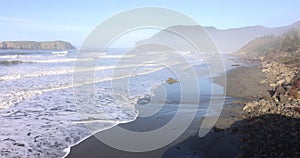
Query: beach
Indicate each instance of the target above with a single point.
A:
(45, 112)
(221, 141)
(151, 79)
(251, 115)
(237, 133)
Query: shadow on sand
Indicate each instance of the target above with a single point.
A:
(268, 135)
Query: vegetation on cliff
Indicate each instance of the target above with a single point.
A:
(284, 49)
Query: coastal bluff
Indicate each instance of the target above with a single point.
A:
(44, 45)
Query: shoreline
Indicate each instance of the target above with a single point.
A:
(93, 147)
(268, 117)
(226, 138)
(232, 134)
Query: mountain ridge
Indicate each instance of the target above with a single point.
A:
(227, 40)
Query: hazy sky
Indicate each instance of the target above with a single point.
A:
(73, 20)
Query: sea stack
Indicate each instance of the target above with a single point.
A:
(33, 45)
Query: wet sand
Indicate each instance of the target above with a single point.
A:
(188, 145)
(225, 140)
(245, 82)
(92, 147)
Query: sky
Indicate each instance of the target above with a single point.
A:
(72, 20)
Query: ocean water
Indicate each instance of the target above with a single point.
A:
(45, 108)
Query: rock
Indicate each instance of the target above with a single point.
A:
(298, 96)
(283, 98)
(265, 109)
(288, 79)
(249, 106)
(263, 81)
(263, 102)
(294, 92)
(216, 129)
(297, 109)
(280, 82)
(171, 81)
(297, 83)
(278, 91)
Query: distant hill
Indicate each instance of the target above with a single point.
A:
(227, 41)
(45, 45)
(261, 46)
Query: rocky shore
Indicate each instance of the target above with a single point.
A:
(268, 123)
(284, 95)
(273, 125)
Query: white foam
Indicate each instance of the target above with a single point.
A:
(19, 56)
(14, 97)
(41, 116)
(49, 123)
(38, 73)
(58, 72)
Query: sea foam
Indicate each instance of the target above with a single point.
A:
(43, 111)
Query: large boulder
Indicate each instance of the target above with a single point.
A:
(171, 81)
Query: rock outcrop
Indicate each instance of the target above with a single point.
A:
(45, 45)
(284, 97)
(171, 81)
(272, 127)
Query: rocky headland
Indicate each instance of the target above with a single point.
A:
(33, 45)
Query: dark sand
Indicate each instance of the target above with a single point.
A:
(222, 141)
(245, 82)
(92, 147)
